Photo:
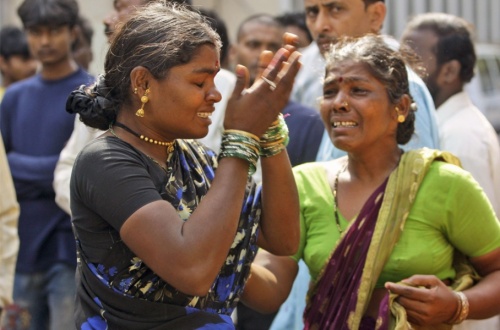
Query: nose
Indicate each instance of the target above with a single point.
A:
(45, 37)
(110, 17)
(340, 103)
(322, 23)
(214, 95)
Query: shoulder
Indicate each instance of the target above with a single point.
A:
(107, 149)
(17, 90)
(299, 110)
(83, 77)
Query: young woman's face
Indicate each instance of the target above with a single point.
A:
(184, 101)
(355, 108)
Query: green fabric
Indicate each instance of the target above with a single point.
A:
(445, 211)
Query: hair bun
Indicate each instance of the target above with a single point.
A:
(94, 108)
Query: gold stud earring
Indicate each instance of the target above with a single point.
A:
(144, 100)
(401, 117)
(135, 90)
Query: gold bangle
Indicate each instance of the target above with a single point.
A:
(464, 312)
(462, 309)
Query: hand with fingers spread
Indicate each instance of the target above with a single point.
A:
(255, 108)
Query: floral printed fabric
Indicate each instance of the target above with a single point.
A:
(122, 292)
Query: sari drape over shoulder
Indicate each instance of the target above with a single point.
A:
(136, 298)
(341, 295)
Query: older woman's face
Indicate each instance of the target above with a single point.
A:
(356, 109)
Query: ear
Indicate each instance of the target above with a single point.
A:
(3, 64)
(140, 78)
(376, 14)
(403, 105)
(450, 71)
(74, 32)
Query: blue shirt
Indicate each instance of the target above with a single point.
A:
(35, 126)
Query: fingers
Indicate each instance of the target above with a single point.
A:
(290, 42)
(242, 77)
(265, 59)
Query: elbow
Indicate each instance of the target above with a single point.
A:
(286, 247)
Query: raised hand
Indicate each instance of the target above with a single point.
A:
(254, 109)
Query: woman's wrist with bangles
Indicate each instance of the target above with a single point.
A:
(240, 144)
(275, 139)
(462, 310)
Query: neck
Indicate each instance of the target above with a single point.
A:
(374, 166)
(445, 95)
(58, 70)
(147, 140)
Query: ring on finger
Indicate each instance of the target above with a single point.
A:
(272, 84)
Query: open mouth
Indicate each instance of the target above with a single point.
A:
(204, 114)
(344, 124)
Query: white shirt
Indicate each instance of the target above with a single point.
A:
(81, 135)
(465, 132)
(9, 239)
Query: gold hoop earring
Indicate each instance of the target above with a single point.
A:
(144, 100)
(401, 117)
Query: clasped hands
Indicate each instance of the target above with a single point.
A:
(426, 299)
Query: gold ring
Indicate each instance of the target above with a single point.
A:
(272, 84)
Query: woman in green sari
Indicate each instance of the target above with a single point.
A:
(381, 220)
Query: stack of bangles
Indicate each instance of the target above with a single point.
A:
(275, 139)
(247, 146)
(462, 309)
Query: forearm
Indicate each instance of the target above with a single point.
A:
(483, 297)
(9, 240)
(270, 282)
(62, 178)
(279, 227)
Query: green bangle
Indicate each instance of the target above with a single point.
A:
(275, 139)
(240, 144)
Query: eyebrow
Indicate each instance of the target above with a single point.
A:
(331, 80)
(206, 70)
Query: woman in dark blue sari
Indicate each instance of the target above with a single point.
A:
(165, 229)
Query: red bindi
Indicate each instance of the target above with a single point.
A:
(340, 79)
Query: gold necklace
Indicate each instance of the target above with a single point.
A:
(152, 159)
(169, 145)
(335, 200)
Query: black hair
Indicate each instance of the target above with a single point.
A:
(264, 19)
(13, 42)
(455, 40)
(48, 12)
(297, 19)
(86, 30)
(386, 64)
(158, 36)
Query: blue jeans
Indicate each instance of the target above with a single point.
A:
(49, 296)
